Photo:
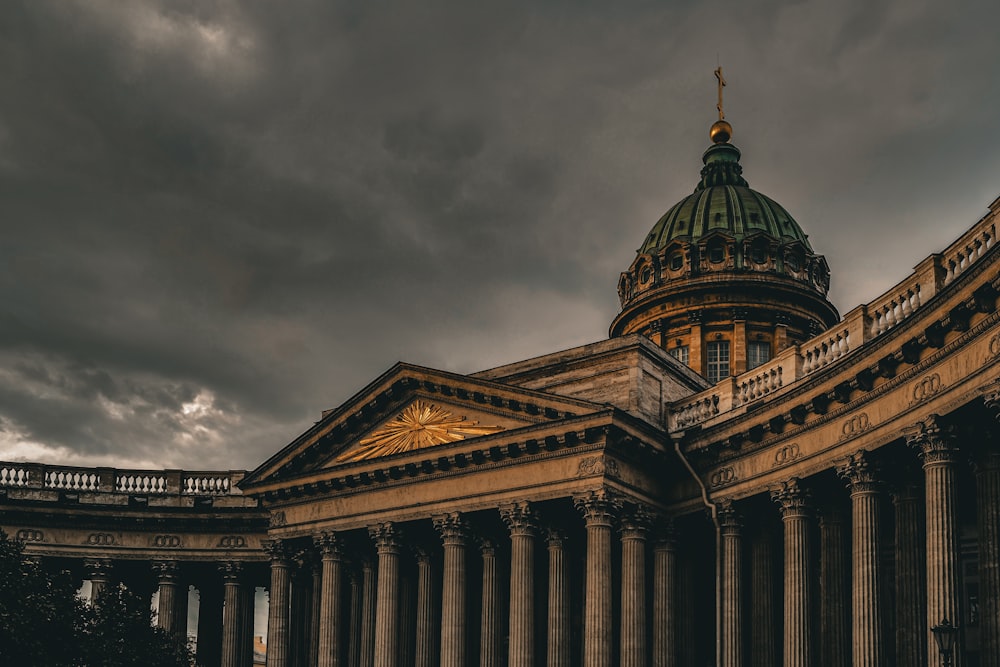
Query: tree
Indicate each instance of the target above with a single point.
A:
(44, 623)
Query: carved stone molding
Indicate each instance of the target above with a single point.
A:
(597, 465)
(860, 472)
(555, 537)
(520, 518)
(97, 568)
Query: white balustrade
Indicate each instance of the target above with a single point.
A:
(71, 479)
(127, 482)
(208, 483)
(696, 411)
(13, 476)
(825, 349)
(758, 385)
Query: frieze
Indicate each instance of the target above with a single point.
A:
(232, 542)
(277, 519)
(722, 477)
(855, 426)
(786, 454)
(994, 347)
(166, 541)
(101, 540)
(30, 535)
(926, 387)
(597, 465)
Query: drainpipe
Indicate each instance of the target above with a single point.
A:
(714, 511)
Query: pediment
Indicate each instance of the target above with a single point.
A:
(422, 423)
(410, 408)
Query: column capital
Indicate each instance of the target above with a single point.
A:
(792, 498)
(329, 544)
(555, 537)
(97, 568)
(166, 571)
(232, 571)
(520, 518)
(934, 441)
(386, 536)
(636, 522)
(452, 528)
(860, 473)
(664, 534)
(487, 547)
(730, 519)
(991, 398)
(599, 506)
(276, 551)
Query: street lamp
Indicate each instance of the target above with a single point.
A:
(945, 634)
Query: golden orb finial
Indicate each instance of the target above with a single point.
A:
(721, 132)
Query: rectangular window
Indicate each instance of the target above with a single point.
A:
(718, 361)
(680, 354)
(758, 353)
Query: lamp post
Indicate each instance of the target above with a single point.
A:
(945, 634)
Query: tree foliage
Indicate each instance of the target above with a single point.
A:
(44, 623)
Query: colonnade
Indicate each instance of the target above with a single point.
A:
(841, 596)
(226, 592)
(480, 597)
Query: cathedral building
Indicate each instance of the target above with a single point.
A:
(738, 476)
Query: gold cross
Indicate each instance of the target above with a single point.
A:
(722, 82)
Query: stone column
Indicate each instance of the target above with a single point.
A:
(209, 646)
(599, 508)
(860, 474)
(987, 468)
(634, 530)
(386, 537)
(454, 535)
(245, 641)
(834, 584)
(278, 605)
(489, 630)
(368, 602)
(354, 627)
(796, 516)
(166, 579)
(299, 607)
(665, 597)
(731, 527)
(911, 580)
(424, 649)
(936, 447)
(99, 572)
(329, 650)
(407, 619)
(316, 602)
(232, 612)
(523, 525)
(558, 652)
(763, 628)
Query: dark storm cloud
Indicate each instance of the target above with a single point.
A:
(219, 218)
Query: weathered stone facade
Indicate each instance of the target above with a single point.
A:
(553, 511)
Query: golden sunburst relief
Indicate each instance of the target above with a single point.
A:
(419, 425)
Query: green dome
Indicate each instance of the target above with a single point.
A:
(723, 202)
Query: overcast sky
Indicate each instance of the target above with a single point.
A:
(219, 218)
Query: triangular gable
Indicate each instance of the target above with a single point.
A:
(457, 406)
